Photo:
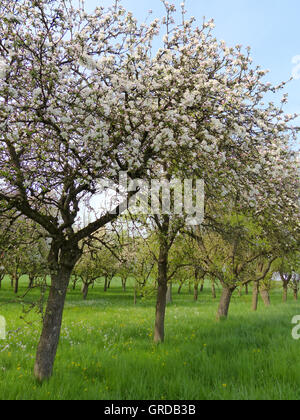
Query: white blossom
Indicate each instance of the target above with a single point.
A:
(3, 68)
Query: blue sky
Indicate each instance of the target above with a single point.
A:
(270, 27)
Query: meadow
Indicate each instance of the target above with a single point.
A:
(106, 350)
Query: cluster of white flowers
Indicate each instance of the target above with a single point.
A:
(12, 17)
(114, 102)
(3, 68)
(36, 93)
(216, 125)
(189, 99)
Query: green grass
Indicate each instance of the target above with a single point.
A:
(106, 350)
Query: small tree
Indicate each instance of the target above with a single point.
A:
(232, 255)
(88, 271)
(288, 266)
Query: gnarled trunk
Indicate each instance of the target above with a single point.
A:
(169, 297)
(64, 262)
(224, 303)
(265, 297)
(159, 331)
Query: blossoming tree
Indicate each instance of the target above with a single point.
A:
(84, 96)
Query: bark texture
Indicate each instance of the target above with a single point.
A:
(85, 291)
(265, 297)
(224, 303)
(62, 263)
(169, 293)
(159, 330)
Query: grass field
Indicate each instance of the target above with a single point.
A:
(106, 350)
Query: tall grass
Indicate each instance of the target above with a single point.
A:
(106, 350)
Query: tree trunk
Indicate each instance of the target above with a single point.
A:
(85, 291)
(247, 289)
(265, 297)
(105, 284)
(202, 285)
(295, 293)
(255, 293)
(162, 288)
(196, 290)
(124, 285)
(213, 289)
(169, 294)
(16, 284)
(285, 292)
(135, 293)
(74, 283)
(31, 281)
(224, 303)
(159, 333)
(180, 288)
(196, 284)
(61, 262)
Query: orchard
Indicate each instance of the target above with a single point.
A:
(87, 96)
